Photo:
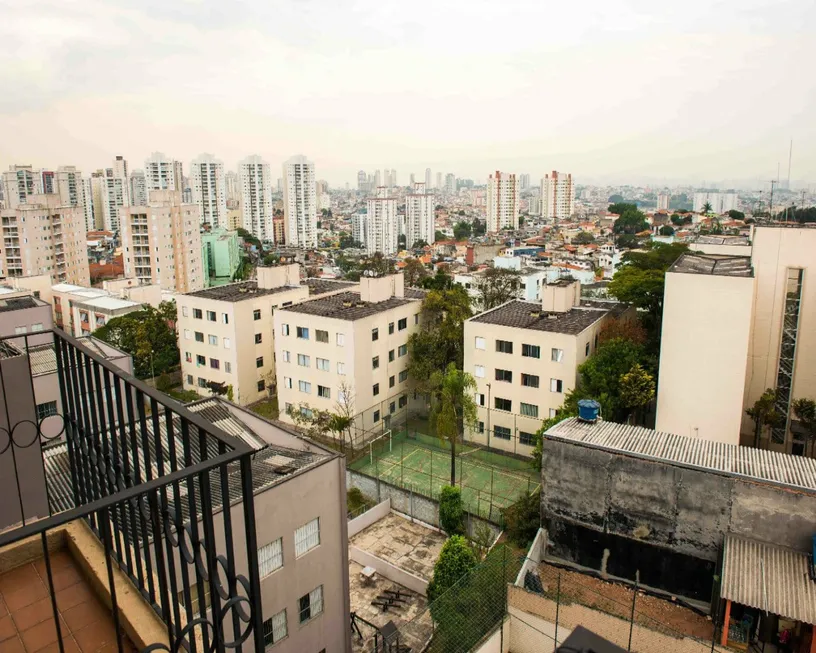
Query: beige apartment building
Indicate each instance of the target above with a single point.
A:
(44, 236)
(161, 242)
(524, 357)
(349, 351)
(734, 326)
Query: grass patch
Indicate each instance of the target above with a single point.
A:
(267, 408)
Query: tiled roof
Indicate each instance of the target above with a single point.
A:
(528, 315)
(321, 286)
(346, 306)
(236, 292)
(18, 303)
(716, 264)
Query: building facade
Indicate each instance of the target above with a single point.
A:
(163, 173)
(138, 188)
(256, 197)
(419, 215)
(221, 253)
(300, 203)
(381, 231)
(720, 202)
(115, 196)
(209, 190)
(557, 196)
(502, 202)
(161, 243)
(19, 183)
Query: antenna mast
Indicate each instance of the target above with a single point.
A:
(790, 158)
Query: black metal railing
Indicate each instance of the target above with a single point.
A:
(168, 494)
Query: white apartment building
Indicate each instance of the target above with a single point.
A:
(362, 180)
(163, 173)
(663, 201)
(114, 195)
(209, 190)
(419, 215)
(524, 357)
(68, 185)
(233, 184)
(44, 236)
(450, 183)
(88, 207)
(428, 179)
(161, 243)
(19, 183)
(255, 177)
(557, 196)
(734, 326)
(348, 351)
(720, 202)
(299, 203)
(502, 202)
(138, 188)
(381, 227)
(120, 167)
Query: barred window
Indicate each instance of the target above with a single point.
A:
(270, 557)
(311, 604)
(274, 628)
(307, 537)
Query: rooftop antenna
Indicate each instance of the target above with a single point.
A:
(790, 158)
(770, 209)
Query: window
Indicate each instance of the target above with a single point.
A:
(228, 367)
(501, 432)
(403, 376)
(341, 369)
(479, 371)
(480, 343)
(586, 350)
(375, 334)
(402, 350)
(37, 326)
(184, 311)
(504, 346)
(402, 324)
(392, 381)
(215, 363)
(341, 339)
(376, 416)
(202, 383)
(479, 398)
(199, 337)
(201, 360)
(188, 357)
(287, 356)
(211, 317)
(504, 375)
(258, 338)
(197, 314)
(481, 427)
(213, 340)
(261, 385)
(287, 382)
(307, 537)
(596, 341)
(186, 334)
(270, 557)
(285, 329)
(47, 409)
(259, 361)
(322, 364)
(529, 380)
(323, 391)
(416, 318)
(225, 318)
(304, 360)
(189, 379)
(556, 385)
(392, 407)
(375, 389)
(305, 387)
(531, 351)
(227, 343)
(306, 412)
(274, 628)
(391, 356)
(321, 336)
(553, 412)
(193, 594)
(403, 400)
(256, 314)
(302, 333)
(527, 438)
(390, 328)
(503, 404)
(557, 355)
(311, 604)
(375, 362)
(529, 410)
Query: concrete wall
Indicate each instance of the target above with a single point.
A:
(369, 517)
(389, 571)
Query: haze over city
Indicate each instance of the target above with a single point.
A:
(617, 92)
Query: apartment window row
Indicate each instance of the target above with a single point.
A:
(527, 350)
(320, 335)
(215, 363)
(198, 314)
(198, 336)
(506, 405)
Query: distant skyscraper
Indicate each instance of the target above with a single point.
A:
(381, 227)
(209, 190)
(232, 184)
(502, 202)
(138, 188)
(419, 215)
(720, 202)
(88, 204)
(120, 168)
(412, 180)
(427, 179)
(362, 181)
(163, 173)
(378, 180)
(75, 191)
(20, 182)
(393, 177)
(256, 197)
(115, 195)
(450, 183)
(524, 181)
(300, 203)
(663, 201)
(557, 196)
(438, 181)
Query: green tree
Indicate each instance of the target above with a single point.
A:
(666, 230)
(637, 389)
(462, 231)
(707, 208)
(249, 238)
(764, 414)
(496, 286)
(628, 241)
(479, 226)
(438, 235)
(631, 222)
(271, 259)
(378, 264)
(621, 208)
(401, 240)
(419, 244)
(415, 271)
(451, 511)
(615, 199)
(805, 411)
(736, 215)
(583, 238)
(455, 561)
(439, 281)
(523, 519)
(452, 407)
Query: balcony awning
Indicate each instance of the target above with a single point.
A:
(771, 578)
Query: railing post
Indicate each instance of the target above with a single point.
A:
(51, 591)
(632, 617)
(104, 525)
(252, 553)
(557, 609)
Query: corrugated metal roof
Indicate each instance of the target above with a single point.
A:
(769, 578)
(756, 464)
(217, 414)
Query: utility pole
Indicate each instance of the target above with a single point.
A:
(770, 211)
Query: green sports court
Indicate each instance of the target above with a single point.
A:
(421, 463)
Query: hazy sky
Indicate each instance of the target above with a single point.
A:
(617, 90)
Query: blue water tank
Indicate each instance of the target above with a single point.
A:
(588, 410)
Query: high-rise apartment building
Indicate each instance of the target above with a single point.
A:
(300, 203)
(439, 185)
(412, 180)
(720, 202)
(419, 215)
(663, 201)
(48, 183)
(233, 185)
(97, 181)
(120, 168)
(209, 190)
(502, 202)
(393, 177)
(88, 203)
(256, 197)
(161, 243)
(138, 188)
(362, 181)
(114, 195)
(450, 183)
(557, 196)
(524, 181)
(45, 236)
(19, 183)
(163, 173)
(68, 185)
(381, 226)
(428, 179)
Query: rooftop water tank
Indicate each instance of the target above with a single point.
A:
(588, 410)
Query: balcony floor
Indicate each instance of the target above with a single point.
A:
(26, 617)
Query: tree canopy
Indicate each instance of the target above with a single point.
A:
(438, 235)
(736, 215)
(583, 238)
(415, 271)
(666, 230)
(631, 220)
(378, 264)
(495, 287)
(455, 560)
(462, 231)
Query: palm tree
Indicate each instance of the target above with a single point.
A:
(764, 413)
(453, 407)
(805, 411)
(707, 208)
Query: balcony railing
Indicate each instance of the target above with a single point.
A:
(168, 494)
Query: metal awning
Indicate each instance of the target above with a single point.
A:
(771, 578)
